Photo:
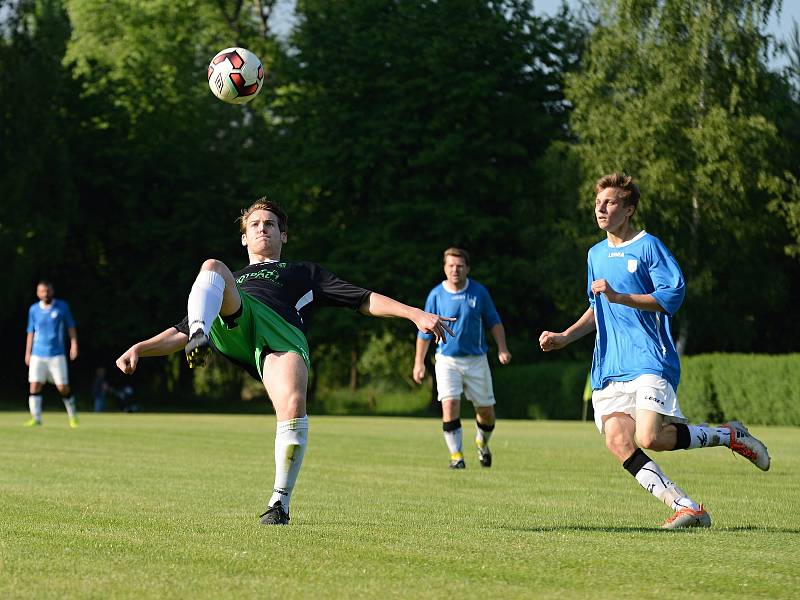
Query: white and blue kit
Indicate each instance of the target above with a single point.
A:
(461, 363)
(632, 342)
(474, 311)
(633, 345)
(49, 325)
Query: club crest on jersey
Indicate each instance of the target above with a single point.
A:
(472, 301)
(632, 264)
(54, 314)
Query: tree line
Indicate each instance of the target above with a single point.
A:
(390, 131)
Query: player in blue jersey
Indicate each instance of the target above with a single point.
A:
(461, 363)
(257, 318)
(49, 323)
(635, 287)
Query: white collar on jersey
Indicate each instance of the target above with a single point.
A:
(461, 291)
(639, 236)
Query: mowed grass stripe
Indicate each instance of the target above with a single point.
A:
(165, 506)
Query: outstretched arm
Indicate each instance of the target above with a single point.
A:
(555, 341)
(168, 341)
(378, 305)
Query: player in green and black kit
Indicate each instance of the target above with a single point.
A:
(257, 318)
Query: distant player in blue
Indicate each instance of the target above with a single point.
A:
(50, 324)
(635, 287)
(461, 363)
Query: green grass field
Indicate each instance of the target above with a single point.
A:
(166, 506)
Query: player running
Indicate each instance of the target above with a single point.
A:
(257, 318)
(461, 363)
(49, 320)
(635, 287)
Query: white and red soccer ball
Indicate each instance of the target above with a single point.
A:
(235, 75)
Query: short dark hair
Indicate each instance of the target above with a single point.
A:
(263, 204)
(628, 190)
(452, 251)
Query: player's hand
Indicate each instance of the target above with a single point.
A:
(437, 326)
(601, 286)
(27, 360)
(73, 352)
(128, 361)
(418, 373)
(504, 357)
(552, 341)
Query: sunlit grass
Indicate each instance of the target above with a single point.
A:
(166, 506)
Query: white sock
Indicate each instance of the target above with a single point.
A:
(702, 436)
(35, 406)
(205, 300)
(652, 478)
(69, 404)
(291, 439)
(452, 437)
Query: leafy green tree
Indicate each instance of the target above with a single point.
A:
(678, 93)
(413, 126)
(788, 105)
(120, 161)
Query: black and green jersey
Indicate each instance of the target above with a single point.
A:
(288, 295)
(295, 290)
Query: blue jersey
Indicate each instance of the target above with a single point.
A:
(632, 342)
(474, 311)
(49, 325)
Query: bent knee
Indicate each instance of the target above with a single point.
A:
(212, 264)
(648, 440)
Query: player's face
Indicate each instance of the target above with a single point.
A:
(611, 212)
(44, 293)
(456, 270)
(262, 235)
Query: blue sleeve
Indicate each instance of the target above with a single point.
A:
(31, 326)
(589, 280)
(489, 312)
(430, 306)
(68, 320)
(667, 279)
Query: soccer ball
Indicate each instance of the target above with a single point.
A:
(235, 75)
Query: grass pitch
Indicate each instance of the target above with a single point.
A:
(166, 506)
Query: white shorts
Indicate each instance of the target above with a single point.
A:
(646, 392)
(468, 374)
(48, 369)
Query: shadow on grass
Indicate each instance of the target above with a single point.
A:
(651, 530)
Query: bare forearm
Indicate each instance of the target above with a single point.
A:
(28, 344)
(584, 325)
(168, 341)
(378, 305)
(422, 350)
(640, 301)
(499, 334)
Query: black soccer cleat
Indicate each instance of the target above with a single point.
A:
(485, 456)
(458, 463)
(275, 515)
(198, 349)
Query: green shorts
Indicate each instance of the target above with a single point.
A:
(255, 332)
